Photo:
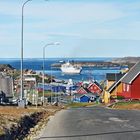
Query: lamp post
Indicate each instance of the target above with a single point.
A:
(43, 76)
(21, 102)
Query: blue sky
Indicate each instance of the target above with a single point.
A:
(85, 28)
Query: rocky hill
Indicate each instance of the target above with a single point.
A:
(126, 60)
(6, 67)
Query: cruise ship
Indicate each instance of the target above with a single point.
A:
(68, 68)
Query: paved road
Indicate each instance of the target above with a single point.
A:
(94, 123)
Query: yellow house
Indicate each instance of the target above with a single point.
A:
(106, 97)
(116, 88)
(111, 78)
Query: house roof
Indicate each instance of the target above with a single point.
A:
(132, 74)
(85, 89)
(113, 86)
(114, 76)
(78, 95)
(98, 85)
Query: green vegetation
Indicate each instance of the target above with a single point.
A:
(128, 102)
(38, 78)
(47, 79)
(14, 73)
(46, 93)
(120, 97)
(76, 105)
(133, 104)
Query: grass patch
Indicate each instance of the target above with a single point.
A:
(127, 102)
(76, 105)
(126, 105)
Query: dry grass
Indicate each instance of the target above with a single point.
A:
(10, 116)
(15, 111)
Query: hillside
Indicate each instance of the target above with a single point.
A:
(126, 60)
(5, 67)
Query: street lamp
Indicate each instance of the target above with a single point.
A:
(21, 102)
(43, 76)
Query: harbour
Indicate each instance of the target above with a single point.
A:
(88, 72)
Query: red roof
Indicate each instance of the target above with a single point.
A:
(81, 90)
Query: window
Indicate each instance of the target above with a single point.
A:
(128, 87)
(123, 86)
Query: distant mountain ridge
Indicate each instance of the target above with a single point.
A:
(126, 60)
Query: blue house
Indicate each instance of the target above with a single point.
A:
(84, 98)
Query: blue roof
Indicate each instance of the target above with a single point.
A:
(57, 88)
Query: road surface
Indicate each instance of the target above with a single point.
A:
(95, 123)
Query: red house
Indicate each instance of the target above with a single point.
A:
(95, 87)
(82, 90)
(131, 83)
(91, 87)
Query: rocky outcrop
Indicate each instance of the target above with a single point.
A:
(6, 67)
(21, 129)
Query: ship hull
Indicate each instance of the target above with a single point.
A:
(71, 71)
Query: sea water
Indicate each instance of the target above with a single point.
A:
(88, 73)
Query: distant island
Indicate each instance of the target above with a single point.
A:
(114, 62)
(117, 62)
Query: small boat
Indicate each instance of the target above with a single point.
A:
(68, 68)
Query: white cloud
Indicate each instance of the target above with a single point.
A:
(68, 11)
